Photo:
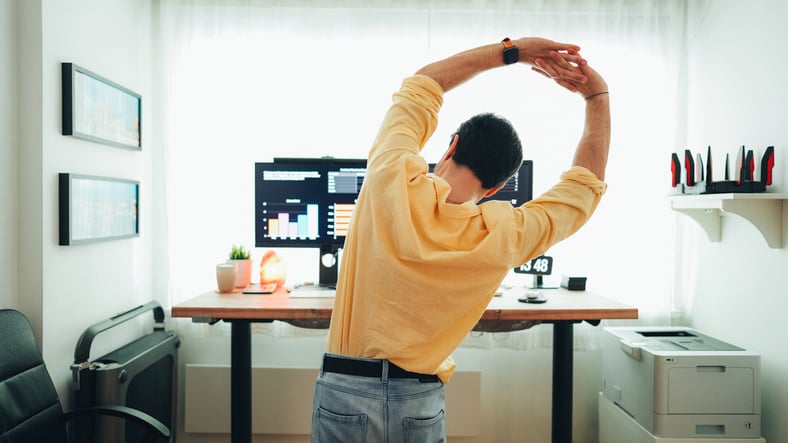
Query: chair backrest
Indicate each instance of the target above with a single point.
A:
(30, 409)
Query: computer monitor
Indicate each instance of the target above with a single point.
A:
(308, 202)
(518, 189)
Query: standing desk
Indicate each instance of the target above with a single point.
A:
(563, 309)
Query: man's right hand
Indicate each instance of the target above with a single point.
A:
(594, 85)
(559, 61)
(556, 63)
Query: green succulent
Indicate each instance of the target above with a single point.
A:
(239, 253)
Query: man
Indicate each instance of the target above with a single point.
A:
(422, 260)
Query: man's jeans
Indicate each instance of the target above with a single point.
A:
(349, 409)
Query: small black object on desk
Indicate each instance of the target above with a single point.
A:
(573, 283)
(532, 297)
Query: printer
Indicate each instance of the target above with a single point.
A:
(679, 383)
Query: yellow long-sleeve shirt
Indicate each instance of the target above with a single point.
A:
(417, 272)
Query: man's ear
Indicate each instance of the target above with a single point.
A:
(452, 147)
(490, 192)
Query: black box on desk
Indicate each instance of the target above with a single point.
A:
(573, 283)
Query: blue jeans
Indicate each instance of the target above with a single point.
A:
(350, 409)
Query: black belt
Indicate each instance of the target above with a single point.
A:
(371, 368)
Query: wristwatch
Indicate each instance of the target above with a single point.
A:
(510, 52)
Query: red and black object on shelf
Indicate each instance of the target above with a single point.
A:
(699, 180)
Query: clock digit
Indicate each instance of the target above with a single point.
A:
(542, 265)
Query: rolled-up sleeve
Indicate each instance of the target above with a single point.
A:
(558, 213)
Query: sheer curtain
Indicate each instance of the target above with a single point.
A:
(244, 81)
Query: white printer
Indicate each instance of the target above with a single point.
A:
(679, 383)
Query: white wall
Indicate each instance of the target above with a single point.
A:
(8, 154)
(29, 298)
(737, 96)
(65, 289)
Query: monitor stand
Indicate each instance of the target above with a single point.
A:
(329, 265)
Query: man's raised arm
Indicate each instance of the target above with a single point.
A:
(592, 150)
(538, 52)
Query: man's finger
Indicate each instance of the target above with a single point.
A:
(546, 68)
(568, 85)
(535, 69)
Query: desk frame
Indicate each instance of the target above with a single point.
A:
(563, 310)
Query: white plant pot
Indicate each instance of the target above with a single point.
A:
(243, 272)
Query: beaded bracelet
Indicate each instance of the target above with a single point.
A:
(595, 94)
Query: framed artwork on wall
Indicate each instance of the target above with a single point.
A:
(97, 208)
(100, 110)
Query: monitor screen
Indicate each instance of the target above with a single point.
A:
(305, 202)
(308, 202)
(519, 188)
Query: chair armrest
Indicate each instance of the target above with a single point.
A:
(154, 428)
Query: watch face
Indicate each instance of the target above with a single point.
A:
(511, 55)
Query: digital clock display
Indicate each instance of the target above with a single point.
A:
(542, 265)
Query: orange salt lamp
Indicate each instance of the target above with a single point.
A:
(272, 270)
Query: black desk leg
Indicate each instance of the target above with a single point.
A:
(241, 381)
(562, 381)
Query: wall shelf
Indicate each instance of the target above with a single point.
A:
(763, 210)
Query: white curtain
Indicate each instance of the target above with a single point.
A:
(244, 81)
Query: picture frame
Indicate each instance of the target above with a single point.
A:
(100, 110)
(94, 208)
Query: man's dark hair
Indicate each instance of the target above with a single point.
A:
(490, 147)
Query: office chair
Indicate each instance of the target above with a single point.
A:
(30, 409)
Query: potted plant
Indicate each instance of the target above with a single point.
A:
(243, 265)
